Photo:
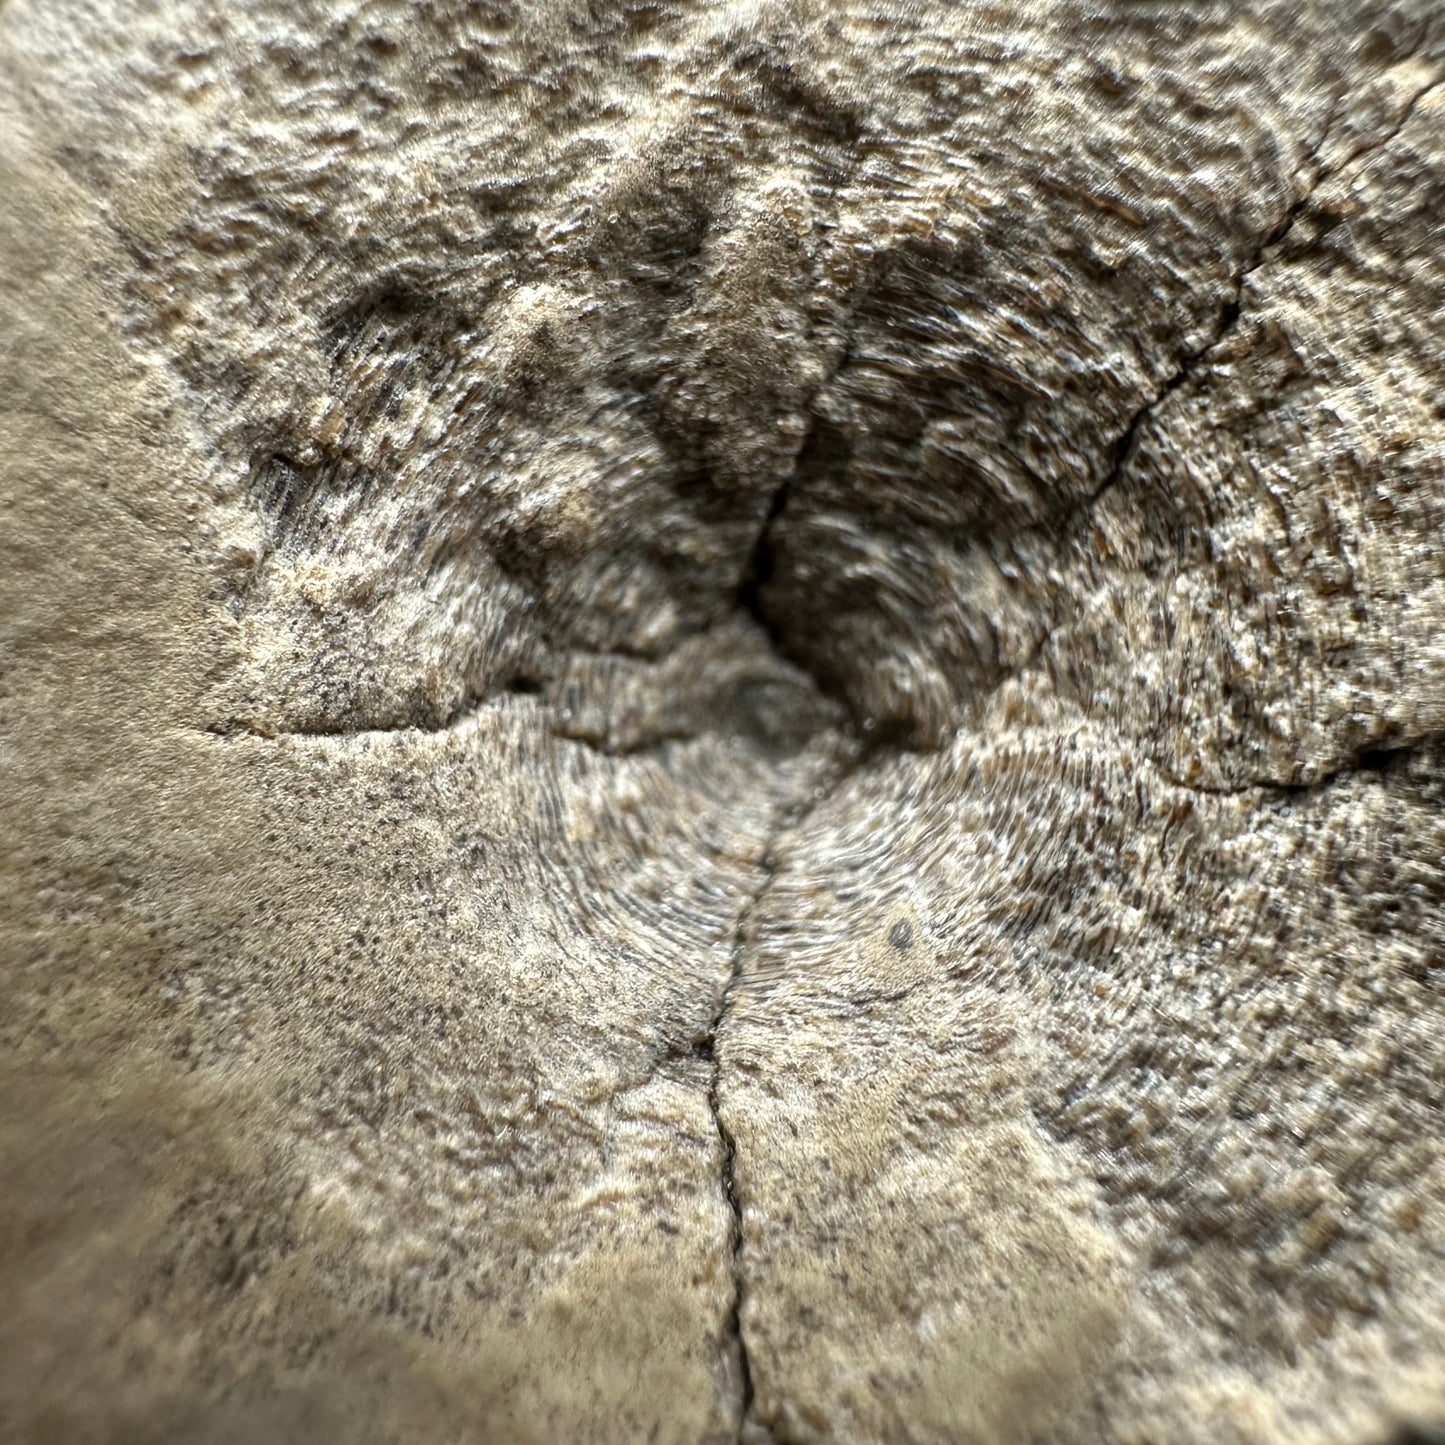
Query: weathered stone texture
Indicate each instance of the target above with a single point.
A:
(722, 721)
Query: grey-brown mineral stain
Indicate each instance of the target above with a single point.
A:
(722, 722)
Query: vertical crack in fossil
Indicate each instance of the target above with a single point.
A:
(729, 1184)
(710, 1050)
(791, 815)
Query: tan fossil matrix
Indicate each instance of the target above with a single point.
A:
(722, 722)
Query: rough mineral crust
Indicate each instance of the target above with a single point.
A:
(722, 721)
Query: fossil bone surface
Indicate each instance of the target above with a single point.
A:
(722, 721)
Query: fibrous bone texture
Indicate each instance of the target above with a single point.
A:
(722, 721)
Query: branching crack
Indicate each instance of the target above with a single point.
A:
(1231, 310)
(1377, 759)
